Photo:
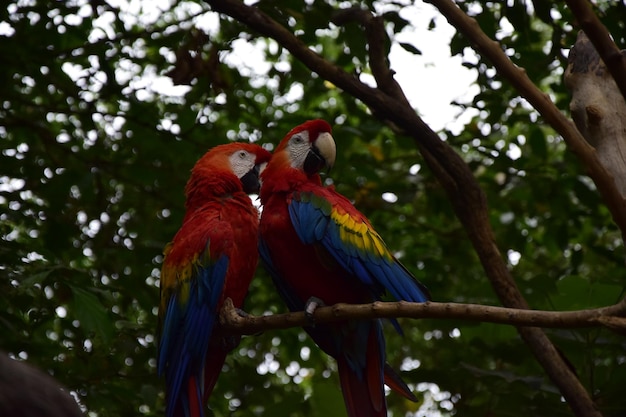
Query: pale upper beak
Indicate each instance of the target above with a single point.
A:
(321, 155)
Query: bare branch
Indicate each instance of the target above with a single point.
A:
(611, 317)
(601, 38)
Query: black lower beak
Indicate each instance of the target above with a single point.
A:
(250, 181)
(314, 162)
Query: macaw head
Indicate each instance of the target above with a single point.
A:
(226, 168)
(299, 158)
(309, 147)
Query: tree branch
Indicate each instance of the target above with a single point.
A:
(376, 39)
(613, 58)
(612, 317)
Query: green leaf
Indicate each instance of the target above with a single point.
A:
(91, 314)
(576, 292)
(327, 400)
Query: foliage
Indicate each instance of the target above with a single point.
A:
(96, 152)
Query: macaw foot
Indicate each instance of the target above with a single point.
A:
(310, 306)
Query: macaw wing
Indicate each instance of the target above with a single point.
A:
(331, 220)
(189, 300)
(290, 298)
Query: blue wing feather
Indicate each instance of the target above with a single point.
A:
(311, 216)
(188, 326)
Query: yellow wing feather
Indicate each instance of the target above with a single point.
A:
(357, 233)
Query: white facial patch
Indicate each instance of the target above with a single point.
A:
(298, 148)
(241, 162)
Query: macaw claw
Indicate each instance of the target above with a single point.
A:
(310, 306)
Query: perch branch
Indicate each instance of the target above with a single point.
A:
(611, 317)
(600, 37)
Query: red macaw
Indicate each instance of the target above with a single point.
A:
(318, 247)
(212, 256)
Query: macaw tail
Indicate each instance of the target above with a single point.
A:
(357, 395)
(195, 403)
(393, 381)
(363, 390)
(212, 368)
(188, 404)
(192, 405)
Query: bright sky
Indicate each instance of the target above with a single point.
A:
(434, 79)
(431, 80)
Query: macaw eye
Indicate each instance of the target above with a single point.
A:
(243, 154)
(297, 139)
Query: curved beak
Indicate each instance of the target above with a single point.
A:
(321, 155)
(250, 181)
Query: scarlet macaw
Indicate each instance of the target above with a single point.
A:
(212, 256)
(318, 247)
